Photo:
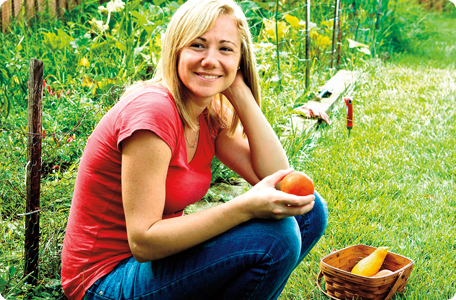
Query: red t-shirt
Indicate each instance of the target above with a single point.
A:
(96, 237)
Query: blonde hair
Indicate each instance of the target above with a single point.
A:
(189, 22)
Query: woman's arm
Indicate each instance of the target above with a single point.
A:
(261, 154)
(145, 163)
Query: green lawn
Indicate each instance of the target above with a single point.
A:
(392, 182)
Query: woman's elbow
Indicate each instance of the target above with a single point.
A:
(143, 252)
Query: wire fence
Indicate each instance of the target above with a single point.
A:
(39, 169)
(435, 5)
(13, 9)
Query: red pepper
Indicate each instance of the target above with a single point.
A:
(70, 139)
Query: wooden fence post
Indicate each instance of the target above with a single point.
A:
(33, 170)
(17, 7)
(426, 4)
(29, 9)
(6, 14)
(438, 5)
(307, 45)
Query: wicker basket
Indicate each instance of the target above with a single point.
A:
(341, 284)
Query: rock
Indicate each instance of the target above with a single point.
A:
(219, 193)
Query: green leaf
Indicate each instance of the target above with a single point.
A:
(51, 41)
(121, 46)
(3, 284)
(65, 39)
(158, 2)
(98, 46)
(12, 271)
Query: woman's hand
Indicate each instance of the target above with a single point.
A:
(266, 202)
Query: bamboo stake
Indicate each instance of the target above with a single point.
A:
(377, 26)
(339, 37)
(336, 13)
(33, 170)
(379, 13)
(277, 43)
(307, 45)
(356, 18)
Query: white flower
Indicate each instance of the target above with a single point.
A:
(359, 46)
(112, 6)
(311, 24)
(98, 25)
(355, 44)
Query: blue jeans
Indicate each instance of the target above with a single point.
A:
(251, 261)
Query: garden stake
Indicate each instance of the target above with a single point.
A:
(336, 16)
(379, 13)
(339, 37)
(307, 45)
(349, 103)
(277, 43)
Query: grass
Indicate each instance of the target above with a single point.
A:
(392, 182)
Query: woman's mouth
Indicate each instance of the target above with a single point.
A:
(206, 76)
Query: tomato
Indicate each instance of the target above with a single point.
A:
(297, 183)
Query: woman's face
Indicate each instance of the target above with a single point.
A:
(208, 64)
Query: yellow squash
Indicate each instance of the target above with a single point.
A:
(370, 265)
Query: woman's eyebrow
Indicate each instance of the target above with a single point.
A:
(228, 41)
(221, 41)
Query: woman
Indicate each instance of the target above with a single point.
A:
(149, 157)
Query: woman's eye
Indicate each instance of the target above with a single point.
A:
(226, 49)
(196, 45)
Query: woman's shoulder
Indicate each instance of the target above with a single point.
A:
(140, 89)
(145, 98)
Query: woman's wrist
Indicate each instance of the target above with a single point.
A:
(239, 206)
(241, 98)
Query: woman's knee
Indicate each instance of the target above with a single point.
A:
(319, 214)
(281, 239)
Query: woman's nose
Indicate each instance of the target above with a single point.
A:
(210, 59)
